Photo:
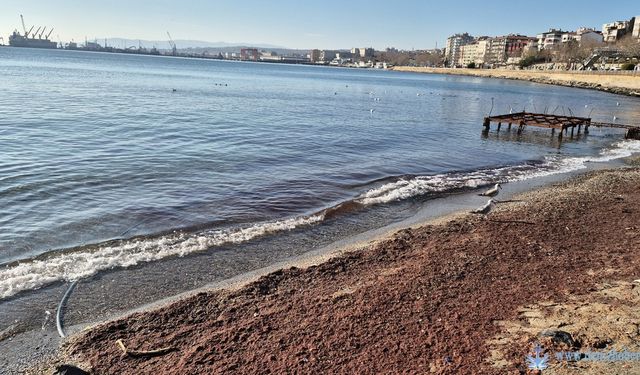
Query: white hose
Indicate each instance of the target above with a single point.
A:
(61, 306)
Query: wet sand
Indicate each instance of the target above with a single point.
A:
(618, 83)
(468, 295)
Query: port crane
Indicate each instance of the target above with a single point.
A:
(24, 28)
(174, 49)
(42, 32)
(37, 31)
(48, 35)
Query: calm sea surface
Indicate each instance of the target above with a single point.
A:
(108, 160)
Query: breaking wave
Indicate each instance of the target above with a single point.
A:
(74, 265)
(408, 187)
(80, 263)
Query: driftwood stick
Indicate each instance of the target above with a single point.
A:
(508, 201)
(511, 221)
(143, 353)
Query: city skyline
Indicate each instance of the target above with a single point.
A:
(330, 25)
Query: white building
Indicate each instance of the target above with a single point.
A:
(636, 27)
(363, 53)
(613, 31)
(473, 53)
(454, 44)
(550, 39)
(583, 36)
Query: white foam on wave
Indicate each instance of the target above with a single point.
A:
(410, 187)
(69, 266)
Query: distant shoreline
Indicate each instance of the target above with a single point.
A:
(621, 83)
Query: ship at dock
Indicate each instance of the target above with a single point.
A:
(37, 39)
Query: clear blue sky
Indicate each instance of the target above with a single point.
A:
(309, 24)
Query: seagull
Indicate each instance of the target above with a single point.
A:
(484, 209)
(618, 104)
(371, 110)
(614, 118)
(492, 192)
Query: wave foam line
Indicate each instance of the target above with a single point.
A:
(405, 188)
(71, 266)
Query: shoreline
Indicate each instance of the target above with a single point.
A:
(627, 84)
(351, 275)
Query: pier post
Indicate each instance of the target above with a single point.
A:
(487, 124)
(572, 129)
(586, 126)
(553, 131)
(499, 125)
(509, 128)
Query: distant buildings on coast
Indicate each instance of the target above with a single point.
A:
(464, 50)
(460, 50)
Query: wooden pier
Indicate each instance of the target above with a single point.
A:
(555, 122)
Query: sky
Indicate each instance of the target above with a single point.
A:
(327, 24)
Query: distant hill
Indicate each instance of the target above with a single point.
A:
(180, 43)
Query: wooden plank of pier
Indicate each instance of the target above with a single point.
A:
(553, 122)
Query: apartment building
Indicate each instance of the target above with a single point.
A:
(452, 49)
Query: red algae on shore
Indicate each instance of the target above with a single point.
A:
(443, 299)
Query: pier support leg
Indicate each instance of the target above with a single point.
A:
(572, 128)
(509, 128)
(486, 124)
(499, 125)
(553, 131)
(586, 129)
(579, 129)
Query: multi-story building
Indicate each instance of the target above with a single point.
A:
(583, 36)
(314, 55)
(249, 54)
(503, 48)
(473, 52)
(362, 53)
(614, 31)
(636, 27)
(550, 39)
(454, 44)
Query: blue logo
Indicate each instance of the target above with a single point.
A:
(538, 362)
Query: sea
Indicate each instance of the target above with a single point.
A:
(140, 177)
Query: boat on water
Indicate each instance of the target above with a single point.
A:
(32, 40)
(18, 40)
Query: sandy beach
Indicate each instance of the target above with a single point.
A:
(624, 83)
(474, 294)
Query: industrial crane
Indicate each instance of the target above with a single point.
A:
(42, 32)
(26, 34)
(174, 49)
(48, 35)
(37, 31)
